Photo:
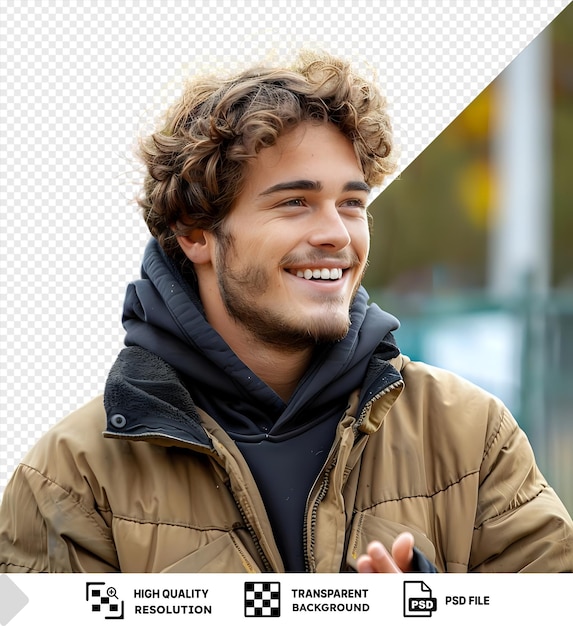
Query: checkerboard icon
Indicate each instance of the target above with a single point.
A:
(262, 599)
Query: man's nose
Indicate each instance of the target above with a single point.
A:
(328, 229)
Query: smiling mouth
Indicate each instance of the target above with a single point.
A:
(325, 273)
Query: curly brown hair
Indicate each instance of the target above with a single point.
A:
(195, 164)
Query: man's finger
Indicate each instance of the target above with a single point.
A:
(403, 551)
(380, 558)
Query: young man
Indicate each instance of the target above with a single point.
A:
(261, 417)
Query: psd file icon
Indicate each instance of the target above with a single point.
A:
(418, 599)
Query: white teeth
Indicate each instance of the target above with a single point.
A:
(324, 274)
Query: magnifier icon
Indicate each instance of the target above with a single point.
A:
(112, 593)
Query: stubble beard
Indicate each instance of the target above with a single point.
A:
(240, 291)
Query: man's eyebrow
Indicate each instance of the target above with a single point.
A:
(357, 185)
(313, 185)
(290, 185)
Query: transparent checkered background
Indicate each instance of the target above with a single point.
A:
(80, 80)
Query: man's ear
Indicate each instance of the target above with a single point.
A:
(196, 246)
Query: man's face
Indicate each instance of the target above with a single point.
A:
(292, 252)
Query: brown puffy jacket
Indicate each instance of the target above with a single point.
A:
(433, 455)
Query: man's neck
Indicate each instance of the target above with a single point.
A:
(281, 369)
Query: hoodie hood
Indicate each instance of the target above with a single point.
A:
(163, 314)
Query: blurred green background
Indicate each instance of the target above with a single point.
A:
(473, 247)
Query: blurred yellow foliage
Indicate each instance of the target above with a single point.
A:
(474, 121)
(477, 191)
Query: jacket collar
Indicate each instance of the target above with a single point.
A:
(145, 398)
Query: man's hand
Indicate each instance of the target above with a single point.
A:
(378, 560)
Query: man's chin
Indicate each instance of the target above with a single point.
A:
(295, 336)
(323, 330)
(293, 330)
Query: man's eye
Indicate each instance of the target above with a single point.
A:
(355, 202)
(293, 202)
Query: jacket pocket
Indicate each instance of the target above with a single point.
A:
(367, 528)
(224, 555)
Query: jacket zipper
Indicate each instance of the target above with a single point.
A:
(309, 554)
(253, 535)
(374, 398)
